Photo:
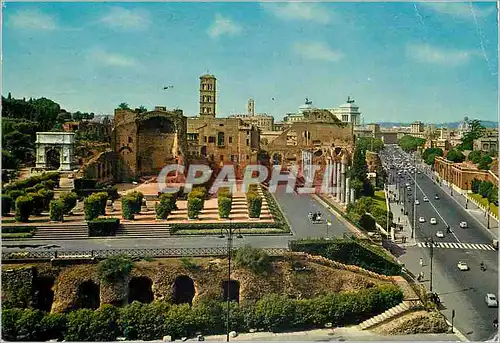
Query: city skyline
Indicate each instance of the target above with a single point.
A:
(425, 58)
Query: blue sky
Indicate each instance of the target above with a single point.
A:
(399, 61)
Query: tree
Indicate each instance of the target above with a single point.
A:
(123, 106)
(429, 155)
(474, 156)
(359, 172)
(370, 143)
(485, 189)
(476, 131)
(141, 109)
(455, 156)
(484, 163)
(410, 143)
(63, 117)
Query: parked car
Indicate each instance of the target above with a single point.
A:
(462, 266)
(433, 221)
(491, 300)
(436, 197)
(463, 225)
(421, 220)
(417, 202)
(440, 234)
(426, 199)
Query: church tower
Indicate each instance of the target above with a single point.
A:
(207, 95)
(251, 107)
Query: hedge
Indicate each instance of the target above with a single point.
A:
(166, 205)
(128, 207)
(24, 208)
(112, 192)
(254, 205)
(349, 251)
(85, 183)
(16, 193)
(222, 226)
(153, 321)
(56, 210)
(224, 202)
(32, 181)
(17, 229)
(69, 201)
(194, 207)
(103, 227)
(92, 206)
(7, 203)
(137, 203)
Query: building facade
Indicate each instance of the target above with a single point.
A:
(488, 143)
(462, 174)
(263, 121)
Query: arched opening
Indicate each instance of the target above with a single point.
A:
(183, 290)
(140, 289)
(203, 151)
(277, 158)
(231, 290)
(156, 125)
(88, 296)
(44, 293)
(318, 153)
(53, 158)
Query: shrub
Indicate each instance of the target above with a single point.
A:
(198, 192)
(85, 183)
(104, 325)
(103, 227)
(195, 205)
(224, 205)
(474, 156)
(475, 185)
(49, 184)
(254, 259)
(69, 200)
(6, 204)
(14, 194)
(143, 321)
(21, 324)
(79, 324)
(274, 312)
(56, 210)
(114, 268)
(254, 205)
(136, 204)
(103, 198)
(92, 206)
(24, 208)
(485, 188)
(128, 203)
(166, 205)
(38, 202)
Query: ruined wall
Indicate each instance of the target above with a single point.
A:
(373, 161)
(17, 287)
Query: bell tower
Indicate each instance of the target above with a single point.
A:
(207, 95)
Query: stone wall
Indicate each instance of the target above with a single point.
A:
(17, 287)
(373, 161)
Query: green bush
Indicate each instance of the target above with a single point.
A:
(17, 229)
(32, 181)
(254, 204)
(21, 324)
(253, 259)
(101, 227)
(6, 204)
(136, 204)
(114, 268)
(143, 321)
(198, 192)
(24, 208)
(56, 210)
(194, 206)
(49, 184)
(128, 209)
(79, 324)
(53, 326)
(85, 183)
(224, 205)
(474, 156)
(166, 205)
(92, 206)
(103, 198)
(14, 194)
(38, 202)
(349, 251)
(69, 200)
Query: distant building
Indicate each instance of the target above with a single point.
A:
(487, 143)
(348, 112)
(263, 121)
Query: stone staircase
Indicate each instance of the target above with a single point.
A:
(138, 230)
(393, 312)
(61, 231)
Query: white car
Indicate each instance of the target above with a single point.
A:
(407, 184)
(426, 199)
(417, 202)
(433, 221)
(491, 300)
(440, 234)
(463, 225)
(421, 220)
(462, 266)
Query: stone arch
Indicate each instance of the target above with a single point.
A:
(231, 289)
(44, 292)
(123, 148)
(140, 289)
(183, 290)
(88, 295)
(53, 158)
(64, 142)
(318, 153)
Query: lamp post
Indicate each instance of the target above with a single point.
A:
(328, 224)
(466, 197)
(431, 243)
(414, 202)
(230, 234)
(488, 212)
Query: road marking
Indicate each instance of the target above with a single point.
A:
(465, 246)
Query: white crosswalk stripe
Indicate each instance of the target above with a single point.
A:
(466, 246)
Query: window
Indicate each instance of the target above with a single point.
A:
(130, 139)
(230, 140)
(209, 110)
(205, 139)
(211, 139)
(248, 142)
(220, 138)
(221, 158)
(247, 157)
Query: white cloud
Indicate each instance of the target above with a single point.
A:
(124, 19)
(431, 54)
(316, 51)
(298, 11)
(460, 10)
(32, 20)
(111, 59)
(223, 26)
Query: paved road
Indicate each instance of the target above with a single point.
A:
(295, 207)
(462, 291)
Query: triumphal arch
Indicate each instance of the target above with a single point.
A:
(54, 150)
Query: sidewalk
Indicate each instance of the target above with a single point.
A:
(400, 218)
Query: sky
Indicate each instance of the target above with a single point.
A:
(400, 62)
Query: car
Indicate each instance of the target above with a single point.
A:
(462, 266)
(407, 184)
(436, 197)
(491, 300)
(417, 202)
(426, 199)
(440, 234)
(433, 221)
(463, 225)
(418, 172)
(421, 220)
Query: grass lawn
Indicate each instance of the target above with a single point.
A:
(484, 202)
(379, 199)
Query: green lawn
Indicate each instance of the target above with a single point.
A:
(379, 199)
(484, 202)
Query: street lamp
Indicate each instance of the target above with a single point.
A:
(414, 201)
(230, 234)
(466, 197)
(431, 243)
(488, 212)
(328, 224)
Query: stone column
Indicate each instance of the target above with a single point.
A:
(352, 196)
(65, 159)
(40, 156)
(347, 190)
(342, 182)
(337, 185)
